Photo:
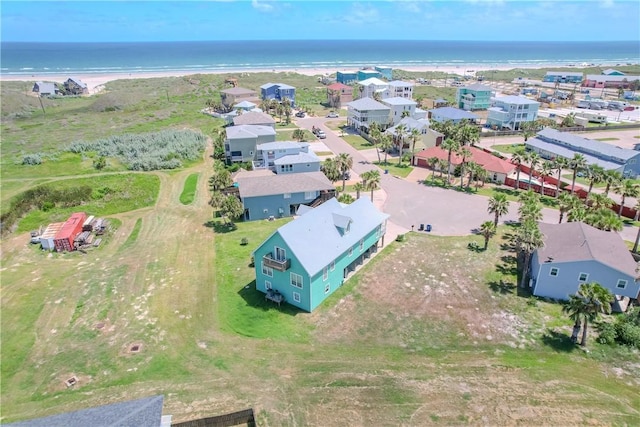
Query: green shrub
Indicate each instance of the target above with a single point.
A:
(607, 333)
(32, 159)
(400, 238)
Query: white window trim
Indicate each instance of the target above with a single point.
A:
(623, 286)
(296, 296)
(557, 270)
(585, 279)
(332, 266)
(291, 276)
(267, 285)
(325, 273)
(266, 270)
(361, 245)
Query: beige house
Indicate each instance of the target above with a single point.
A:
(235, 95)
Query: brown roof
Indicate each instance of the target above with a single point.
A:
(576, 241)
(238, 91)
(271, 184)
(338, 86)
(488, 161)
(253, 118)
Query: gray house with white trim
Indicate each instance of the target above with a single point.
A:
(575, 253)
(364, 111)
(240, 145)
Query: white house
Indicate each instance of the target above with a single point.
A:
(364, 111)
(369, 87)
(512, 111)
(399, 106)
(398, 88)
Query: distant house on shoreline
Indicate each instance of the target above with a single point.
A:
(279, 92)
(45, 88)
(562, 77)
(74, 86)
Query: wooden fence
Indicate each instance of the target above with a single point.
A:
(236, 418)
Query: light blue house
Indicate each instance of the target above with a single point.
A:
(550, 143)
(279, 92)
(241, 142)
(510, 112)
(286, 157)
(455, 115)
(307, 259)
(474, 97)
(368, 73)
(346, 77)
(265, 194)
(575, 253)
(386, 72)
(562, 77)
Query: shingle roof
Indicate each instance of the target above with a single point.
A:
(316, 241)
(572, 140)
(293, 159)
(398, 100)
(453, 113)
(576, 241)
(252, 118)
(367, 104)
(249, 131)
(238, 91)
(567, 153)
(410, 123)
(146, 412)
(281, 145)
(338, 86)
(268, 185)
(78, 82)
(488, 161)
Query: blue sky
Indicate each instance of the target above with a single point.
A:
(561, 20)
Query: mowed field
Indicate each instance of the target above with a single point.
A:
(427, 333)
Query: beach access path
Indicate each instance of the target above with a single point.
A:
(411, 203)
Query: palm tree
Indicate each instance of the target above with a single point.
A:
(627, 188)
(414, 135)
(498, 206)
(528, 239)
(465, 153)
(559, 163)
(473, 170)
(566, 202)
(577, 213)
(401, 131)
(545, 170)
(597, 201)
(344, 162)
(488, 230)
(468, 134)
(359, 186)
(611, 178)
(577, 163)
(595, 174)
(530, 208)
(432, 162)
(374, 131)
(331, 170)
(373, 181)
(518, 156)
(533, 159)
(450, 145)
(590, 301)
(385, 145)
(442, 164)
(573, 308)
(604, 219)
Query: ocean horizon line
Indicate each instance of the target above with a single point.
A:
(317, 40)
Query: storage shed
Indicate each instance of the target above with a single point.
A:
(47, 236)
(71, 228)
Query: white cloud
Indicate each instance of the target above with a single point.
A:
(364, 14)
(261, 6)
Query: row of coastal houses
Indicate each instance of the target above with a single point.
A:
(609, 78)
(72, 86)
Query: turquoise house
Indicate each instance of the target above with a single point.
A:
(474, 97)
(306, 260)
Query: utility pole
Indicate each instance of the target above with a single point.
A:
(42, 105)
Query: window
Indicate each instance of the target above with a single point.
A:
(332, 266)
(267, 271)
(325, 273)
(267, 285)
(583, 277)
(281, 254)
(286, 168)
(327, 288)
(308, 195)
(553, 272)
(350, 251)
(621, 284)
(296, 296)
(296, 280)
(287, 195)
(361, 245)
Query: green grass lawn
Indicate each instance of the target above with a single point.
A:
(189, 191)
(336, 124)
(357, 142)
(507, 148)
(607, 139)
(583, 181)
(402, 170)
(287, 135)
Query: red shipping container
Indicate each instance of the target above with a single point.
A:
(71, 228)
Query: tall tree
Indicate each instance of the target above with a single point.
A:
(528, 239)
(518, 157)
(231, 208)
(546, 169)
(591, 300)
(574, 308)
(344, 162)
(595, 175)
(566, 202)
(627, 188)
(604, 219)
(432, 162)
(612, 179)
(530, 207)
(401, 132)
(372, 181)
(375, 133)
(451, 146)
(465, 153)
(385, 145)
(487, 230)
(559, 163)
(597, 201)
(498, 206)
(534, 159)
(577, 163)
(331, 170)
(359, 187)
(414, 135)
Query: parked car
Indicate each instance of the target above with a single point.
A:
(321, 135)
(300, 114)
(333, 115)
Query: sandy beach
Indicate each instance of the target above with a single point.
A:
(96, 81)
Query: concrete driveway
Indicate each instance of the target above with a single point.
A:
(450, 213)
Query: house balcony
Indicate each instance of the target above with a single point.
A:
(280, 265)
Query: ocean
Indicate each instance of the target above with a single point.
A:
(142, 57)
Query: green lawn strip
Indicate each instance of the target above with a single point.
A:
(357, 142)
(287, 135)
(336, 125)
(324, 153)
(507, 148)
(111, 194)
(57, 165)
(242, 309)
(607, 139)
(133, 236)
(189, 191)
(402, 170)
(583, 181)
